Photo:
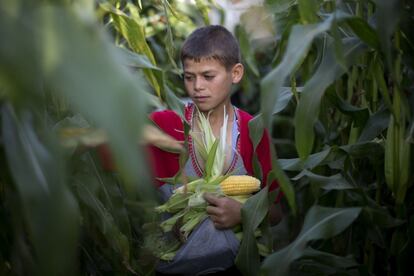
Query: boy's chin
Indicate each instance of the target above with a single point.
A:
(202, 106)
(203, 109)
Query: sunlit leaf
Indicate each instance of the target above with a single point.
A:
(136, 60)
(133, 32)
(169, 39)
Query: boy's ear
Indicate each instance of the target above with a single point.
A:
(237, 72)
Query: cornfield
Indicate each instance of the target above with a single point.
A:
(333, 83)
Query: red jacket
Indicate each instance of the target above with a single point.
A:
(166, 164)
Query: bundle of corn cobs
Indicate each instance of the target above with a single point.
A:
(186, 206)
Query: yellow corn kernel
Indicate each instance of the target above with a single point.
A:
(240, 185)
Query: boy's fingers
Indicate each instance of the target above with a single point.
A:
(212, 211)
(211, 199)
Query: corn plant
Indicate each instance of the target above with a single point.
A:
(74, 74)
(340, 81)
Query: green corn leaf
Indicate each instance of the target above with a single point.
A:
(399, 241)
(284, 98)
(380, 216)
(397, 160)
(253, 213)
(334, 182)
(106, 221)
(331, 260)
(171, 180)
(133, 32)
(257, 169)
(320, 223)
(256, 130)
(364, 31)
(199, 145)
(375, 125)
(280, 6)
(379, 77)
(48, 207)
(372, 150)
(175, 203)
(133, 59)
(113, 199)
(206, 129)
(314, 160)
(308, 109)
(120, 109)
(388, 14)
(191, 186)
(391, 163)
(216, 181)
(308, 10)
(283, 181)
(174, 103)
(241, 198)
(210, 188)
(359, 114)
(246, 50)
(192, 222)
(210, 160)
(300, 40)
(197, 200)
(405, 168)
(169, 39)
(204, 9)
(168, 224)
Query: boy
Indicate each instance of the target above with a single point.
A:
(211, 61)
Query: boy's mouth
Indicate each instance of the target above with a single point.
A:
(201, 98)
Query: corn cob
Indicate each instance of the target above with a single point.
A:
(240, 185)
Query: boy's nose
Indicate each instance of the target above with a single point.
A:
(198, 84)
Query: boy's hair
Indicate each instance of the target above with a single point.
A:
(212, 41)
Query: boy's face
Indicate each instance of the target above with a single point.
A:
(208, 83)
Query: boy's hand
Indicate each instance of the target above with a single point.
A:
(223, 211)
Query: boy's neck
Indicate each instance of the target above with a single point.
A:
(217, 115)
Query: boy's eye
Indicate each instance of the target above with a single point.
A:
(188, 77)
(208, 77)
